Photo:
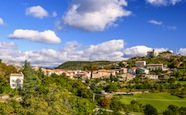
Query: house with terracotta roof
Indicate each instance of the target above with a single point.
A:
(16, 80)
(132, 71)
(103, 73)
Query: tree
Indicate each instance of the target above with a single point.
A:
(136, 106)
(150, 110)
(173, 108)
(105, 102)
(31, 80)
(6, 108)
(116, 104)
(182, 111)
(111, 88)
(168, 112)
(40, 74)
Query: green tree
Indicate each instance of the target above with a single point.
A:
(136, 106)
(111, 88)
(182, 111)
(31, 80)
(168, 112)
(116, 104)
(150, 110)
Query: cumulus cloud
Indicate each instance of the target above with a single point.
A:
(162, 2)
(141, 51)
(12, 54)
(182, 51)
(5, 45)
(92, 15)
(155, 22)
(112, 50)
(46, 36)
(1, 21)
(136, 51)
(72, 51)
(159, 50)
(36, 11)
(109, 50)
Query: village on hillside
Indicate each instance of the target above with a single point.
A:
(124, 74)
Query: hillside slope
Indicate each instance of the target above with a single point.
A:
(79, 65)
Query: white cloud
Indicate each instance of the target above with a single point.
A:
(93, 15)
(136, 51)
(155, 22)
(163, 2)
(159, 23)
(58, 26)
(54, 14)
(109, 50)
(36, 11)
(1, 21)
(172, 27)
(5, 45)
(141, 51)
(112, 50)
(12, 54)
(159, 50)
(182, 51)
(46, 36)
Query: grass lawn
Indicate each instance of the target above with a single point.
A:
(159, 100)
(181, 82)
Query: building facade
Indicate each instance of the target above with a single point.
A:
(140, 64)
(155, 66)
(153, 77)
(16, 80)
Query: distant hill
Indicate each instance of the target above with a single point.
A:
(11, 62)
(79, 65)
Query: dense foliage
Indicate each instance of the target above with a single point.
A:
(5, 71)
(50, 95)
(174, 110)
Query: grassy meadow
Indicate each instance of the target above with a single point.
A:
(159, 100)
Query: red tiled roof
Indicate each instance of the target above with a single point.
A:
(16, 74)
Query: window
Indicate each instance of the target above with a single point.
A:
(18, 81)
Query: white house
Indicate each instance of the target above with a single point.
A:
(154, 77)
(16, 80)
(155, 66)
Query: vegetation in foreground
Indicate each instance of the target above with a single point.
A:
(53, 95)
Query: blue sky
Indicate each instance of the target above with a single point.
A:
(52, 32)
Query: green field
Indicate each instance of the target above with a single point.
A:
(159, 100)
(181, 82)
